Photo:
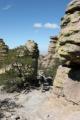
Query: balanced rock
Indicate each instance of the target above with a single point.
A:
(32, 48)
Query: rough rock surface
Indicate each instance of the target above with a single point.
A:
(36, 106)
(67, 80)
(48, 60)
(67, 84)
(3, 50)
(32, 48)
(69, 38)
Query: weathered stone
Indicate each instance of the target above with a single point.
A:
(69, 38)
(3, 50)
(52, 45)
(73, 6)
(67, 80)
(32, 48)
(48, 60)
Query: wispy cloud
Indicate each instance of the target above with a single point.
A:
(7, 7)
(37, 25)
(51, 26)
(46, 25)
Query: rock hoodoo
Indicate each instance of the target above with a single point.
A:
(32, 48)
(49, 60)
(3, 50)
(34, 52)
(67, 81)
(52, 45)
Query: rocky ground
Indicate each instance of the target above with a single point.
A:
(63, 101)
(37, 105)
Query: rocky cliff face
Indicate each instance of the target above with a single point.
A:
(67, 81)
(69, 39)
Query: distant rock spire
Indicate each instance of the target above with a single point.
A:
(52, 45)
(3, 50)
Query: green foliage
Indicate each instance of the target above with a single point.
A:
(16, 78)
(51, 71)
(7, 76)
(13, 55)
(21, 72)
(79, 13)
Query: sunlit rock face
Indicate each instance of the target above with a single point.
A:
(67, 80)
(52, 45)
(34, 52)
(69, 39)
(32, 48)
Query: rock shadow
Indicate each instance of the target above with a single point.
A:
(74, 73)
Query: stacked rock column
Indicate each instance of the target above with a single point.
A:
(67, 80)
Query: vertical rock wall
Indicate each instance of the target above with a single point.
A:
(67, 80)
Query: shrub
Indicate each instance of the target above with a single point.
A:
(51, 71)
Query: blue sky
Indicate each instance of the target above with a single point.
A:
(22, 20)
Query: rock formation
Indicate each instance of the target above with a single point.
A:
(3, 50)
(67, 81)
(21, 64)
(48, 60)
(69, 39)
(32, 48)
(52, 45)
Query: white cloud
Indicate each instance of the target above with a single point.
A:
(37, 25)
(51, 26)
(7, 7)
(46, 25)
